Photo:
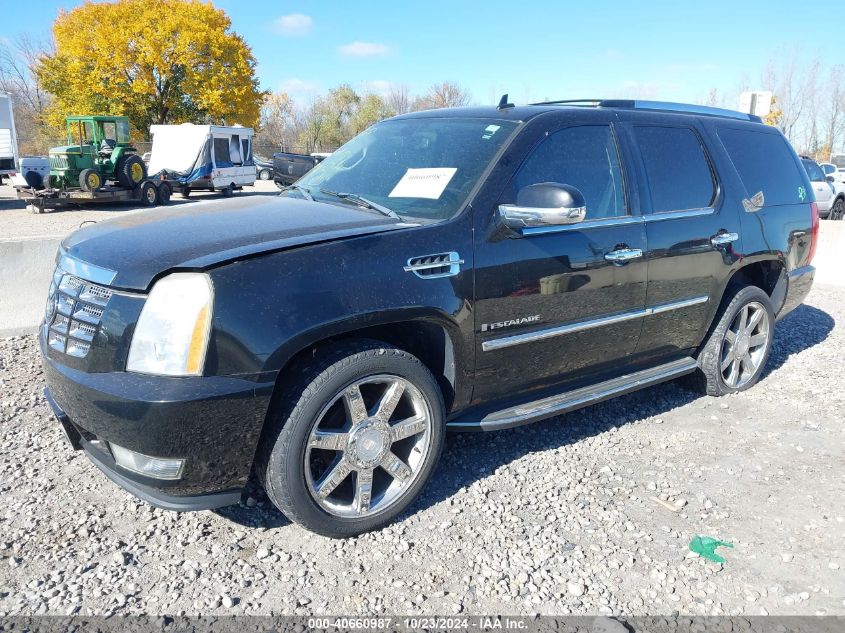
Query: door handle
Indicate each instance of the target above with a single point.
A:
(720, 239)
(623, 255)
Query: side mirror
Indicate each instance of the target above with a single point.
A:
(545, 204)
(830, 178)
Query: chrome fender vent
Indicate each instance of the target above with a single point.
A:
(434, 266)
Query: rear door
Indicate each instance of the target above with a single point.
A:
(693, 233)
(553, 306)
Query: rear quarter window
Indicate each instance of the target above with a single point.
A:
(765, 162)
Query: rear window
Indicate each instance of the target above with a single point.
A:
(813, 170)
(679, 174)
(765, 163)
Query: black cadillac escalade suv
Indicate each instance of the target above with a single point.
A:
(466, 269)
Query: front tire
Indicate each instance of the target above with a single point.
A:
(149, 195)
(736, 351)
(351, 444)
(90, 180)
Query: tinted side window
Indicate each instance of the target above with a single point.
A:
(764, 162)
(585, 157)
(676, 165)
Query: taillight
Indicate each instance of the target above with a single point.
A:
(814, 233)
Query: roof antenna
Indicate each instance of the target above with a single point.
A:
(503, 103)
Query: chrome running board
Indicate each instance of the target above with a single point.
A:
(571, 400)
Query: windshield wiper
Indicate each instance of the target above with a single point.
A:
(305, 193)
(362, 202)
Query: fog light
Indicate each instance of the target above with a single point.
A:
(150, 466)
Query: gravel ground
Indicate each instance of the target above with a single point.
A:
(557, 518)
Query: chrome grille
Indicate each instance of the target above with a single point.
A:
(58, 162)
(73, 314)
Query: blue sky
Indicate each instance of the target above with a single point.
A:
(532, 50)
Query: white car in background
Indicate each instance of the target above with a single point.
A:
(838, 161)
(830, 194)
(836, 176)
(830, 169)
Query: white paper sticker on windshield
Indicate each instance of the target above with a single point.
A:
(489, 131)
(423, 183)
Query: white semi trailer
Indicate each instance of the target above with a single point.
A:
(8, 137)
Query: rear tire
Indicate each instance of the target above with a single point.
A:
(130, 171)
(164, 194)
(361, 494)
(837, 211)
(228, 191)
(264, 174)
(734, 356)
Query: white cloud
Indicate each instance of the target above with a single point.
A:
(364, 49)
(293, 25)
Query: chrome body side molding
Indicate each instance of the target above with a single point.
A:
(624, 220)
(559, 330)
(576, 399)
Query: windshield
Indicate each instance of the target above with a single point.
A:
(838, 160)
(420, 168)
(813, 171)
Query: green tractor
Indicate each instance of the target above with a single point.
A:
(98, 150)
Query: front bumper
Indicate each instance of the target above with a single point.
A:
(799, 282)
(213, 423)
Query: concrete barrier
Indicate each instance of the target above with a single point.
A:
(26, 266)
(830, 254)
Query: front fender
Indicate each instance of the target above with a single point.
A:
(269, 308)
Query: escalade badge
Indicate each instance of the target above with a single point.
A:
(486, 327)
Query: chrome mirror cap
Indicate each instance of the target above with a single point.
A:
(516, 217)
(544, 204)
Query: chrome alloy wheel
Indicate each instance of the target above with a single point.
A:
(744, 347)
(368, 446)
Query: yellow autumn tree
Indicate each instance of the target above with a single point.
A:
(155, 61)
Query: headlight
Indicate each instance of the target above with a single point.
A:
(172, 333)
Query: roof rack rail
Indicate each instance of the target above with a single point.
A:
(668, 106)
(592, 102)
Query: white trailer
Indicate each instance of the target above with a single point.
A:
(212, 157)
(8, 137)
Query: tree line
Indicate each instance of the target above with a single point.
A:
(808, 103)
(328, 121)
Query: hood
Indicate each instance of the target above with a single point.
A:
(66, 149)
(197, 235)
